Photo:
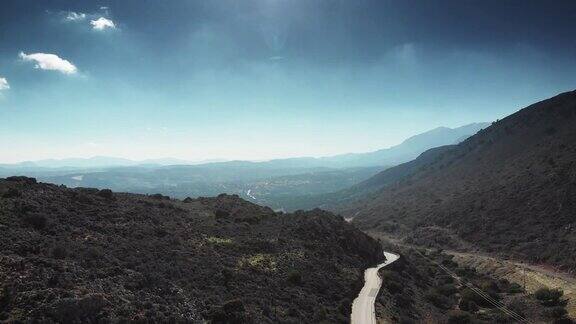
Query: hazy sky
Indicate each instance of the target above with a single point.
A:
(256, 79)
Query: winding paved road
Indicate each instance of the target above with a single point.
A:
(363, 306)
(249, 194)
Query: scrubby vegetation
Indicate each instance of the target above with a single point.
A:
(87, 255)
(416, 289)
(508, 190)
(550, 297)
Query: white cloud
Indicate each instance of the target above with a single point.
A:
(49, 62)
(75, 16)
(102, 23)
(4, 84)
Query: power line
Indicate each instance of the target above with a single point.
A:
(480, 292)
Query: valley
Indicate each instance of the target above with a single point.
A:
(283, 184)
(412, 209)
(288, 162)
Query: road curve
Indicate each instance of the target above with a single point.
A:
(363, 306)
(248, 193)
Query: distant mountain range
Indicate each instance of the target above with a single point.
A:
(407, 150)
(281, 183)
(509, 189)
(100, 162)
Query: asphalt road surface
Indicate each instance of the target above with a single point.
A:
(363, 306)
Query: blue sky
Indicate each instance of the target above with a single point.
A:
(260, 79)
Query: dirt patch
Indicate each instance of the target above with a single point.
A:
(528, 276)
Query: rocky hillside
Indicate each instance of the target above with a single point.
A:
(84, 255)
(428, 286)
(509, 189)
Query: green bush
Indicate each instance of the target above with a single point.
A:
(489, 286)
(77, 310)
(515, 288)
(447, 290)
(499, 317)
(406, 320)
(550, 297)
(106, 193)
(6, 295)
(221, 213)
(518, 306)
(459, 317)
(59, 252)
(556, 312)
(232, 312)
(468, 305)
(36, 221)
(295, 277)
(345, 306)
(404, 300)
(467, 296)
(320, 314)
(449, 263)
(392, 282)
(438, 300)
(445, 279)
(12, 193)
(466, 272)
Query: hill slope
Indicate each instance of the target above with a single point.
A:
(83, 255)
(511, 189)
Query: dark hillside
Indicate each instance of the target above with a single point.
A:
(509, 189)
(402, 171)
(83, 255)
(428, 286)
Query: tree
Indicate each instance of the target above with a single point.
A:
(556, 312)
(295, 277)
(459, 317)
(468, 305)
(106, 193)
(550, 297)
